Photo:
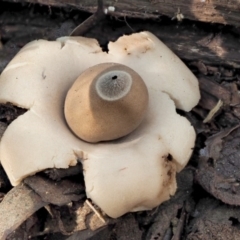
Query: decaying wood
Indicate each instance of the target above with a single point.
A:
(189, 41)
(214, 11)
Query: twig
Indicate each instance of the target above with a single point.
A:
(90, 22)
(212, 113)
(180, 225)
(128, 24)
(95, 211)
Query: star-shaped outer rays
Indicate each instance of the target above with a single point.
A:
(130, 174)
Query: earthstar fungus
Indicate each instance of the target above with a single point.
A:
(131, 173)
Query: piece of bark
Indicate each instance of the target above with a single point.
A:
(213, 11)
(189, 41)
(19, 204)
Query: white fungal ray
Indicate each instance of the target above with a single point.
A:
(129, 174)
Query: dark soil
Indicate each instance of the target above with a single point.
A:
(206, 205)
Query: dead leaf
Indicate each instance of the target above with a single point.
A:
(18, 204)
(212, 220)
(57, 193)
(219, 166)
